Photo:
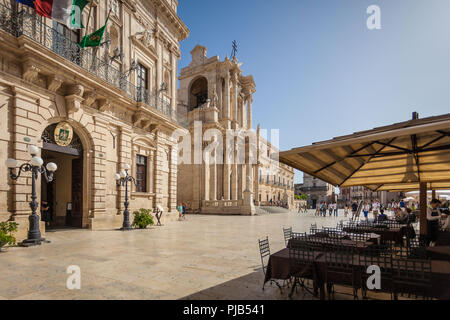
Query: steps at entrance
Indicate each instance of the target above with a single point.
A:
(270, 210)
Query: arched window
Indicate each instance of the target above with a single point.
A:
(198, 93)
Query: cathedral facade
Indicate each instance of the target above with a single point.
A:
(215, 100)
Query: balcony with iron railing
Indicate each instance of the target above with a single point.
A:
(25, 24)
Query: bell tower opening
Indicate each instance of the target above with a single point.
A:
(198, 94)
(62, 200)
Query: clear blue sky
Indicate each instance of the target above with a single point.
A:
(319, 71)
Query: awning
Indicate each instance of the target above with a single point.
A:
(397, 157)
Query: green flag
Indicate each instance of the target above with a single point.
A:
(94, 39)
(77, 8)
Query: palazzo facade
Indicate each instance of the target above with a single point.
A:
(214, 96)
(117, 103)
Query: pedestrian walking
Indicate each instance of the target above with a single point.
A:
(366, 210)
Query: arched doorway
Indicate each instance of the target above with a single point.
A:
(198, 93)
(64, 196)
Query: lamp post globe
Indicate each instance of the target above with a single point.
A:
(51, 167)
(11, 163)
(33, 150)
(122, 179)
(35, 166)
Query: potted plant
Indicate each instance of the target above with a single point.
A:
(6, 233)
(143, 219)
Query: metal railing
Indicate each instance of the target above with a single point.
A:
(25, 24)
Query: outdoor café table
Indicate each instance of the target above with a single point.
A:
(440, 278)
(439, 253)
(392, 234)
(279, 266)
(358, 246)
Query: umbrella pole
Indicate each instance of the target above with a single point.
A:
(423, 209)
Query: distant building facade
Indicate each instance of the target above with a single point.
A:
(360, 193)
(317, 191)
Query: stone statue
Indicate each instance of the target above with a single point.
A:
(215, 98)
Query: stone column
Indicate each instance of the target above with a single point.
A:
(173, 170)
(256, 183)
(206, 181)
(226, 180)
(213, 182)
(234, 174)
(249, 112)
(226, 108)
(235, 98)
(159, 156)
(159, 63)
(98, 196)
(174, 85)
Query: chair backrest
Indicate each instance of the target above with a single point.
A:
(300, 253)
(363, 237)
(412, 271)
(264, 251)
(414, 249)
(339, 257)
(287, 233)
(376, 257)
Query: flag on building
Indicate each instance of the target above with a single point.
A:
(94, 39)
(67, 12)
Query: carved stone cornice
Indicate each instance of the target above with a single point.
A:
(54, 82)
(104, 105)
(89, 98)
(164, 8)
(30, 71)
(144, 44)
(74, 98)
(75, 89)
(130, 4)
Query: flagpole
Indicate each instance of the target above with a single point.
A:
(89, 18)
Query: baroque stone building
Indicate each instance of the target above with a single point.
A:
(217, 100)
(117, 102)
(359, 193)
(317, 190)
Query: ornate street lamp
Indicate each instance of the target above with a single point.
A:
(36, 167)
(122, 179)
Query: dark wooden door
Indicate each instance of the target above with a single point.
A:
(77, 194)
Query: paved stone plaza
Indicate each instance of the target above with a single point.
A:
(205, 257)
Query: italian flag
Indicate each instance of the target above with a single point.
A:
(67, 12)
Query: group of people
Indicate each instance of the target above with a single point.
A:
(323, 207)
(302, 208)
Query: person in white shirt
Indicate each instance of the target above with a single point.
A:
(375, 209)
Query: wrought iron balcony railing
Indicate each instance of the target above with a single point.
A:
(25, 24)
